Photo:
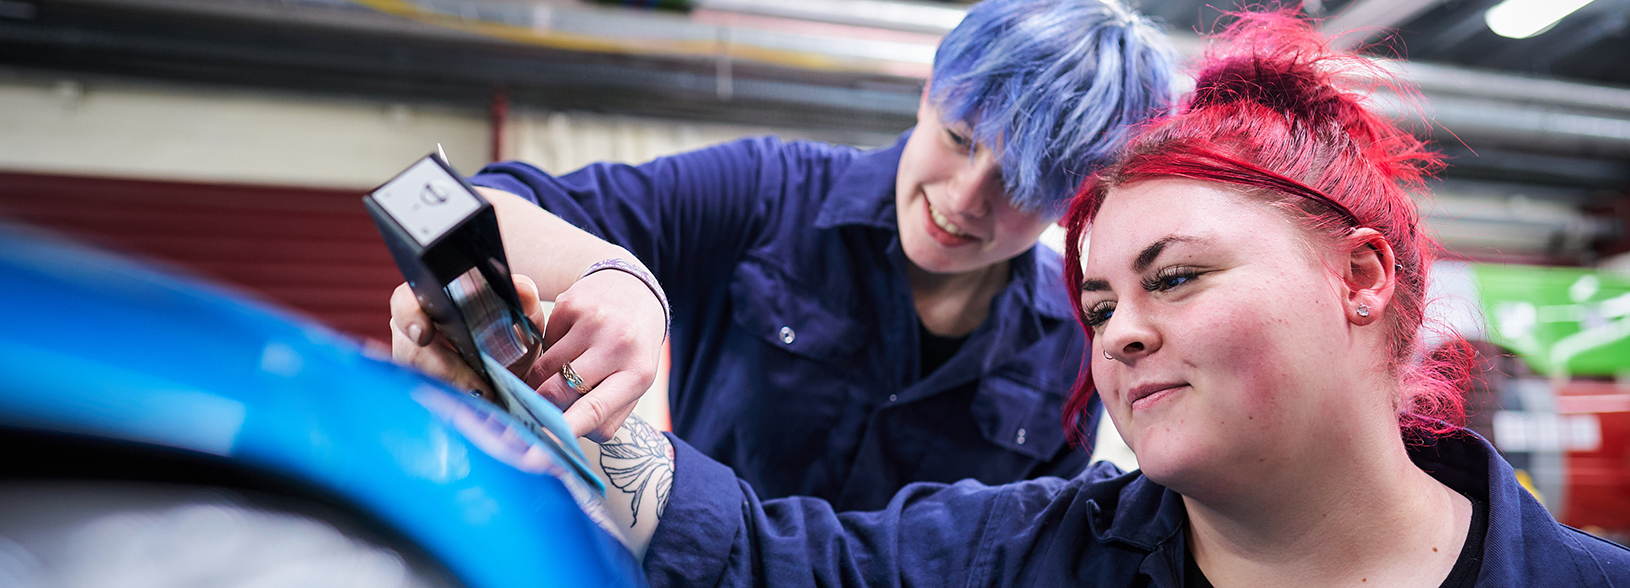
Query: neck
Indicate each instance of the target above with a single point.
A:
(953, 305)
(1364, 516)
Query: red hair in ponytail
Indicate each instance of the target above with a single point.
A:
(1272, 113)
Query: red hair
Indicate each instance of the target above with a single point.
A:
(1270, 114)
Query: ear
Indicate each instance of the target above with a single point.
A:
(1370, 277)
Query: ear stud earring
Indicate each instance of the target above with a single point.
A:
(1364, 310)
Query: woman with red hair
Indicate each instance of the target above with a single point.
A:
(1252, 290)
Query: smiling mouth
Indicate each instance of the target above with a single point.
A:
(1147, 394)
(945, 224)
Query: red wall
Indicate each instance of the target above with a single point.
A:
(312, 250)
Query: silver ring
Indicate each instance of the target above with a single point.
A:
(1106, 355)
(572, 379)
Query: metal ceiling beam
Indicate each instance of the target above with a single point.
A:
(1523, 127)
(922, 17)
(1437, 80)
(1365, 20)
(340, 46)
(370, 58)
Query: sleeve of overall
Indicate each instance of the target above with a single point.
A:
(684, 216)
(716, 532)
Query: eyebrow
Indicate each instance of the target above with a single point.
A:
(1144, 259)
(1152, 252)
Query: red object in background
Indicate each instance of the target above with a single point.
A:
(313, 250)
(499, 117)
(1598, 481)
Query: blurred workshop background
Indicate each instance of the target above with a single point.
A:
(234, 138)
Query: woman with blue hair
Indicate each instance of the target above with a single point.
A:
(843, 322)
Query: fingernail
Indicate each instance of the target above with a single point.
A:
(416, 333)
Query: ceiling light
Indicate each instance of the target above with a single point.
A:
(1521, 19)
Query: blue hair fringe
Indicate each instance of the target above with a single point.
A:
(1058, 85)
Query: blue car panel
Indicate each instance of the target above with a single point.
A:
(101, 347)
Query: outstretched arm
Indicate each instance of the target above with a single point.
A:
(684, 218)
(716, 532)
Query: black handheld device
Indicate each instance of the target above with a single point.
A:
(444, 237)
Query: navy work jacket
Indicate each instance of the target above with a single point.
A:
(1102, 529)
(795, 340)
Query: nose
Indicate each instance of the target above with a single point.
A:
(1129, 336)
(973, 189)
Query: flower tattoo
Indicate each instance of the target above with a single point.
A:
(635, 463)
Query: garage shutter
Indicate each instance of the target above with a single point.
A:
(311, 250)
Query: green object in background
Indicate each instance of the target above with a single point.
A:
(1562, 321)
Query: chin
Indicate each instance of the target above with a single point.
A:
(937, 268)
(1177, 463)
(929, 257)
(1207, 472)
(1162, 468)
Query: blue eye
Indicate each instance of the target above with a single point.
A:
(1170, 278)
(1100, 313)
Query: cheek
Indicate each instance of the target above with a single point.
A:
(1241, 350)
(1267, 352)
(1019, 230)
(911, 166)
(915, 161)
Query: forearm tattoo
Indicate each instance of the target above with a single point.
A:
(639, 461)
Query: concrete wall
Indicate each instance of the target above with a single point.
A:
(135, 130)
(74, 125)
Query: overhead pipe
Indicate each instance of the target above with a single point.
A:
(1510, 111)
(1509, 125)
(1533, 115)
(1436, 80)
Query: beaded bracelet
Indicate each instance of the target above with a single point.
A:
(644, 275)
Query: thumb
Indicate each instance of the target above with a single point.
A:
(531, 305)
